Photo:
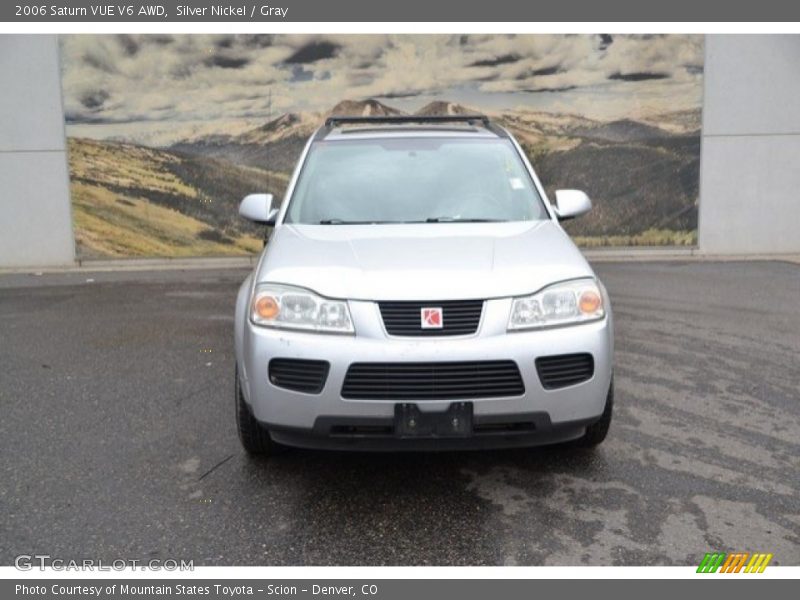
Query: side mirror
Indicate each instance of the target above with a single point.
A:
(258, 208)
(571, 204)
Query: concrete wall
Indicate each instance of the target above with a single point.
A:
(750, 163)
(35, 216)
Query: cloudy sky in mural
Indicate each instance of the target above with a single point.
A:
(112, 83)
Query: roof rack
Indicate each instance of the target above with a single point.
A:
(340, 120)
(483, 120)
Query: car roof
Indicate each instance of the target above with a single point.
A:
(398, 126)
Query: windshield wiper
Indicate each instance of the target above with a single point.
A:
(428, 220)
(460, 220)
(343, 222)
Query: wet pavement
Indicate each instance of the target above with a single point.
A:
(117, 437)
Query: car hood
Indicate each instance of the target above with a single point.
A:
(436, 261)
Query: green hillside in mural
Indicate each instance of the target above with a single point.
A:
(130, 200)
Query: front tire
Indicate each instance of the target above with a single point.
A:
(597, 432)
(253, 437)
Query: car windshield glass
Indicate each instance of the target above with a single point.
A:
(414, 180)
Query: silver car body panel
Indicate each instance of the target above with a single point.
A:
(431, 261)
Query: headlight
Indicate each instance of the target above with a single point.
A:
(276, 305)
(565, 303)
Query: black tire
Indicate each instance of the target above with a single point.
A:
(254, 438)
(597, 432)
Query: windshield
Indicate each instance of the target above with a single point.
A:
(414, 180)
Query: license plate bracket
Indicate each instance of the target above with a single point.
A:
(410, 421)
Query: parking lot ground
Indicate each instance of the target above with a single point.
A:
(117, 437)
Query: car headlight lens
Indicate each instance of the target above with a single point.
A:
(289, 307)
(565, 303)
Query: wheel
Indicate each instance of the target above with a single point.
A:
(254, 438)
(597, 432)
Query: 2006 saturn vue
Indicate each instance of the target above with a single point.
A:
(418, 292)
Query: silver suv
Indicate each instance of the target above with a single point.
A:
(418, 292)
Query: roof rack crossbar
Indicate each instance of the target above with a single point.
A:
(335, 120)
(483, 120)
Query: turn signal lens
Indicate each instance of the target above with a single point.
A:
(267, 307)
(590, 302)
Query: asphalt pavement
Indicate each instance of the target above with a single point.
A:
(117, 437)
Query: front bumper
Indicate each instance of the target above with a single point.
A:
(328, 434)
(323, 420)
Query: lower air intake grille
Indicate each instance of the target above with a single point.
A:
(433, 381)
(564, 370)
(459, 317)
(299, 375)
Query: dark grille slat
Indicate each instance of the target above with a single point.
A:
(433, 381)
(291, 370)
(430, 385)
(403, 318)
(558, 376)
(564, 370)
(407, 382)
(558, 362)
(423, 377)
(575, 369)
(443, 395)
(402, 376)
(459, 317)
(299, 375)
(454, 312)
(299, 372)
(456, 304)
(417, 368)
(564, 381)
(432, 368)
(428, 380)
(567, 374)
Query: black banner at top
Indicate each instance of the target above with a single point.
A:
(474, 11)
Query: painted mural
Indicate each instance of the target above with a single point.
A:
(167, 133)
